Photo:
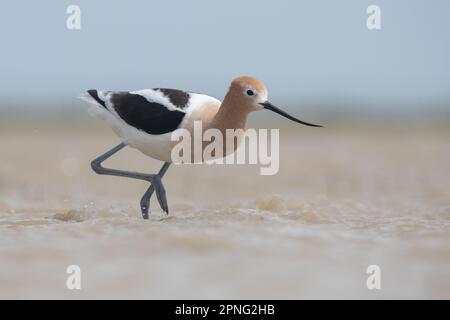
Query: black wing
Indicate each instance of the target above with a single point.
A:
(178, 98)
(145, 115)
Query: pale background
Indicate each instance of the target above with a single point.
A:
(372, 187)
(307, 52)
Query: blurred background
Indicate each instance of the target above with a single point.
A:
(372, 187)
(316, 55)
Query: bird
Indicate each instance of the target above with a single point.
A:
(146, 119)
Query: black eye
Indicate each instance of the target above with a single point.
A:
(250, 92)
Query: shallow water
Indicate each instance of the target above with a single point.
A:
(343, 200)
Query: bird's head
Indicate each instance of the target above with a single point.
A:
(251, 94)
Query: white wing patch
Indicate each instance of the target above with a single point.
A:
(157, 96)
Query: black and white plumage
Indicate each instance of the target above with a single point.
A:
(145, 119)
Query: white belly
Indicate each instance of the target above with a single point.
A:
(155, 146)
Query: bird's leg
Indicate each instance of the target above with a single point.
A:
(154, 179)
(145, 201)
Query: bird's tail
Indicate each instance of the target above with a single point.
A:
(94, 97)
(97, 103)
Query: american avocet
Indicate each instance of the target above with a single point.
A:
(145, 120)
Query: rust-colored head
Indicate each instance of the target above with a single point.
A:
(247, 94)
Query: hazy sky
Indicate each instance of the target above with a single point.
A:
(315, 51)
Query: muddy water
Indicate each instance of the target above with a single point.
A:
(343, 200)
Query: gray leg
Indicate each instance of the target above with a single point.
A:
(145, 201)
(154, 179)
